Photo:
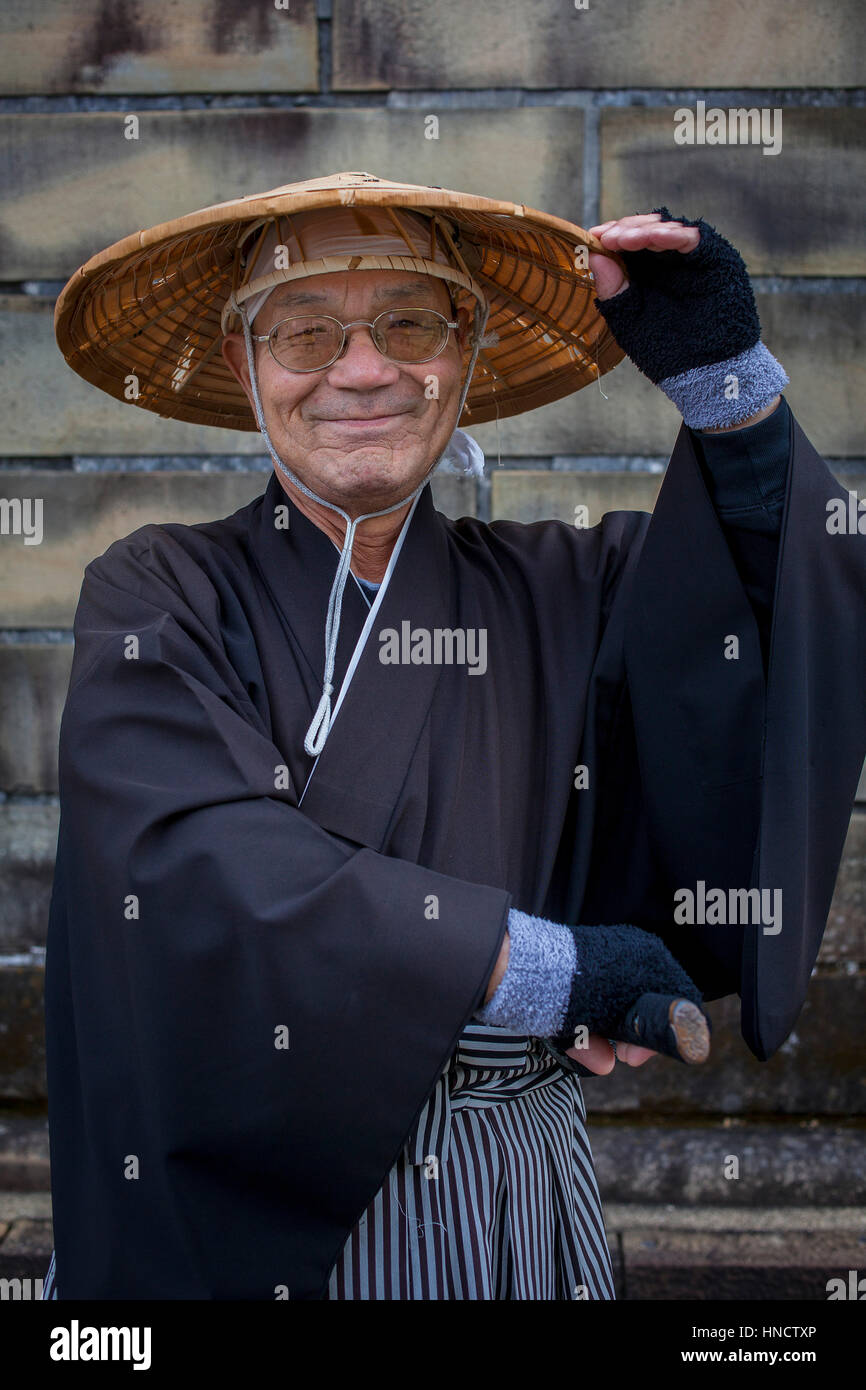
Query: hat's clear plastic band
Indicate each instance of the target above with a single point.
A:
(327, 265)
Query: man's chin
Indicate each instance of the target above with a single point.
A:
(372, 494)
(365, 477)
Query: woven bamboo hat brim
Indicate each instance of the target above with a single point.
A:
(151, 305)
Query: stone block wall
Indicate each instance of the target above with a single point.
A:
(571, 108)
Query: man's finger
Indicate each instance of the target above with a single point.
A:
(632, 1055)
(658, 231)
(639, 219)
(661, 231)
(670, 236)
(597, 1055)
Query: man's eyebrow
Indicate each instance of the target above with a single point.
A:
(394, 293)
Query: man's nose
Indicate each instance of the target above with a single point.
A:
(362, 364)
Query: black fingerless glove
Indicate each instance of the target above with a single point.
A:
(689, 322)
(629, 987)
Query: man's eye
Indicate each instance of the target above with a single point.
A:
(300, 338)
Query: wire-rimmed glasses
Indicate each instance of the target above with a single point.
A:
(311, 342)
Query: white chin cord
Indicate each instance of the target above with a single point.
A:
(320, 727)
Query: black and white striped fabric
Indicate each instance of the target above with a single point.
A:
(494, 1195)
(49, 1286)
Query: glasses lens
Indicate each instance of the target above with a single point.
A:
(410, 335)
(303, 344)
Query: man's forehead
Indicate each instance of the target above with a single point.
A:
(385, 285)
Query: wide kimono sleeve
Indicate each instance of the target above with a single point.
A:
(244, 1012)
(722, 769)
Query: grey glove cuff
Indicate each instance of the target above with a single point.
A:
(533, 994)
(723, 393)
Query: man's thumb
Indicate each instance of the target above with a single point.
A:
(609, 279)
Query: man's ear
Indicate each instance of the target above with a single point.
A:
(233, 349)
(463, 332)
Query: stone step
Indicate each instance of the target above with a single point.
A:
(24, 1157)
(730, 1163)
(659, 1252)
(816, 1072)
(26, 1241)
(819, 1164)
(711, 1254)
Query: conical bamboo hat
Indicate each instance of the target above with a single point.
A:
(151, 306)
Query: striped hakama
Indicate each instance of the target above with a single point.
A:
(494, 1194)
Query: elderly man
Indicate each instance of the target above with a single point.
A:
(362, 809)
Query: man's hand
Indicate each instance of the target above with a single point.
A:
(677, 297)
(644, 232)
(648, 232)
(598, 1055)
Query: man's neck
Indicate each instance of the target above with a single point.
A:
(374, 540)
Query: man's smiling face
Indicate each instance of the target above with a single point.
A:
(363, 432)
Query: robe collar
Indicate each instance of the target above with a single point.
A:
(355, 783)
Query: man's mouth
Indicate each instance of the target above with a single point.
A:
(371, 421)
